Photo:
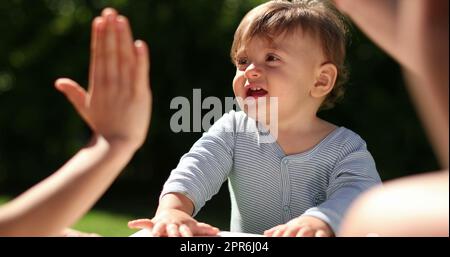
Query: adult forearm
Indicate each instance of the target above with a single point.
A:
(62, 198)
(366, 14)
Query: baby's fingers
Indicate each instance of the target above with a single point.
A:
(279, 231)
(306, 232)
(185, 231)
(269, 232)
(173, 230)
(160, 229)
(291, 231)
(140, 224)
(321, 233)
(205, 229)
(276, 231)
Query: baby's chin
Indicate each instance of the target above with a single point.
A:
(258, 110)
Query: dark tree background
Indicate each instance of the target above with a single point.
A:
(190, 40)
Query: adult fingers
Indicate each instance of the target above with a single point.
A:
(142, 80)
(96, 68)
(75, 94)
(111, 49)
(127, 57)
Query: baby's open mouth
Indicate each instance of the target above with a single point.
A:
(256, 92)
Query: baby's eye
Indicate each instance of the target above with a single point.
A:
(272, 58)
(241, 61)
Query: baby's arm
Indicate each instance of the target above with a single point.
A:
(173, 218)
(351, 176)
(198, 177)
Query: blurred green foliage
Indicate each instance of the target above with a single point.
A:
(190, 41)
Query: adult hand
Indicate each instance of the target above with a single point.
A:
(117, 104)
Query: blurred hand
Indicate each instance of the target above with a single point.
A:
(304, 226)
(174, 223)
(117, 104)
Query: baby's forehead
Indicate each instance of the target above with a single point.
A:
(280, 41)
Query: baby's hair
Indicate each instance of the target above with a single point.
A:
(318, 17)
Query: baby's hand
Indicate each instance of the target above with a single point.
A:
(174, 223)
(304, 226)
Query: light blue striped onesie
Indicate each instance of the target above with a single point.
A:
(267, 187)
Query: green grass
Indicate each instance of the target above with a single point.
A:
(105, 223)
(3, 199)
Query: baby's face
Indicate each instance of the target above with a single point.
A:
(284, 68)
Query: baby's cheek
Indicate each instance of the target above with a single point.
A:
(238, 84)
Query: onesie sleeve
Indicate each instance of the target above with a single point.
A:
(201, 172)
(354, 173)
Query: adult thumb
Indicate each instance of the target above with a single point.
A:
(74, 93)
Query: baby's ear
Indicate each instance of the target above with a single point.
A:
(325, 79)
